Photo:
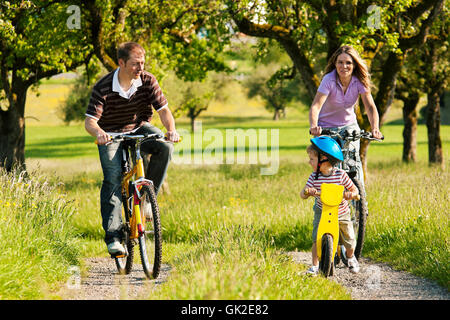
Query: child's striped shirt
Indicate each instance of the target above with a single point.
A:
(339, 177)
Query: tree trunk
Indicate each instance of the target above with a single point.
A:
(364, 147)
(12, 127)
(193, 124)
(410, 128)
(435, 154)
(276, 115)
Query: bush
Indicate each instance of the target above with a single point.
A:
(74, 108)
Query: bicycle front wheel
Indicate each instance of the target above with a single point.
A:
(326, 261)
(359, 218)
(150, 242)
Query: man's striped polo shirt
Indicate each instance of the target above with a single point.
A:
(116, 113)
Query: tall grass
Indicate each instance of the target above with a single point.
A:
(238, 262)
(38, 245)
(226, 227)
(409, 221)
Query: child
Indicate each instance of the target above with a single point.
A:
(324, 153)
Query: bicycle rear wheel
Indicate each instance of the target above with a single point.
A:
(150, 242)
(359, 218)
(326, 261)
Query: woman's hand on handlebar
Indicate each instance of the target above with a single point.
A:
(376, 133)
(315, 131)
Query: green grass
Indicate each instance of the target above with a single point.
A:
(225, 227)
(409, 222)
(38, 242)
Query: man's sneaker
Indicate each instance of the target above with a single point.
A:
(313, 270)
(353, 264)
(116, 248)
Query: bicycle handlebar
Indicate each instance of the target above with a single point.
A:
(153, 136)
(347, 135)
(357, 197)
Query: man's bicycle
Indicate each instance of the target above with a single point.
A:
(359, 207)
(141, 220)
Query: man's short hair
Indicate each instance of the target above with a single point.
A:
(124, 50)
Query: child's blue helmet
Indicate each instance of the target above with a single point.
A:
(329, 147)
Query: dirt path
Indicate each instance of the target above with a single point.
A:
(104, 283)
(378, 281)
(375, 281)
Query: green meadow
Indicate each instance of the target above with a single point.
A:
(226, 227)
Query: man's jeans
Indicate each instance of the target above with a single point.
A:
(110, 194)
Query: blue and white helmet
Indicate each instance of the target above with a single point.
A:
(328, 147)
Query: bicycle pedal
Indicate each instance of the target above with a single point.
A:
(114, 256)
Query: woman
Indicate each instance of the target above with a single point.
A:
(346, 78)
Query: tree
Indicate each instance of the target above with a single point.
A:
(74, 107)
(170, 31)
(177, 35)
(271, 78)
(308, 28)
(194, 105)
(437, 61)
(35, 43)
(408, 90)
(425, 72)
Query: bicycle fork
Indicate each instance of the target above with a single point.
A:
(331, 196)
(137, 215)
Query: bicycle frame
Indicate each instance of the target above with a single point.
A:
(136, 176)
(344, 138)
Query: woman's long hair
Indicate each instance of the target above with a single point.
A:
(360, 68)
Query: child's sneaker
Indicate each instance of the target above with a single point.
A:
(353, 264)
(313, 270)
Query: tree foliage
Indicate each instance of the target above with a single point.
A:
(384, 34)
(34, 44)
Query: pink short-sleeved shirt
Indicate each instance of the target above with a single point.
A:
(338, 109)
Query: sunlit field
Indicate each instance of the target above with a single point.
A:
(226, 226)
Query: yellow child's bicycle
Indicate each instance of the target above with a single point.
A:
(328, 231)
(141, 220)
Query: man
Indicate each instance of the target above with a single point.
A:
(122, 102)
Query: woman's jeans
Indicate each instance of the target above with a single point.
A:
(111, 194)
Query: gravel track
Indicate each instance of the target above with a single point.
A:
(378, 281)
(375, 281)
(104, 283)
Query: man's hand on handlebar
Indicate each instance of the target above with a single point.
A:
(103, 138)
(172, 136)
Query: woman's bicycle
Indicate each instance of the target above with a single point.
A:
(141, 220)
(359, 207)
